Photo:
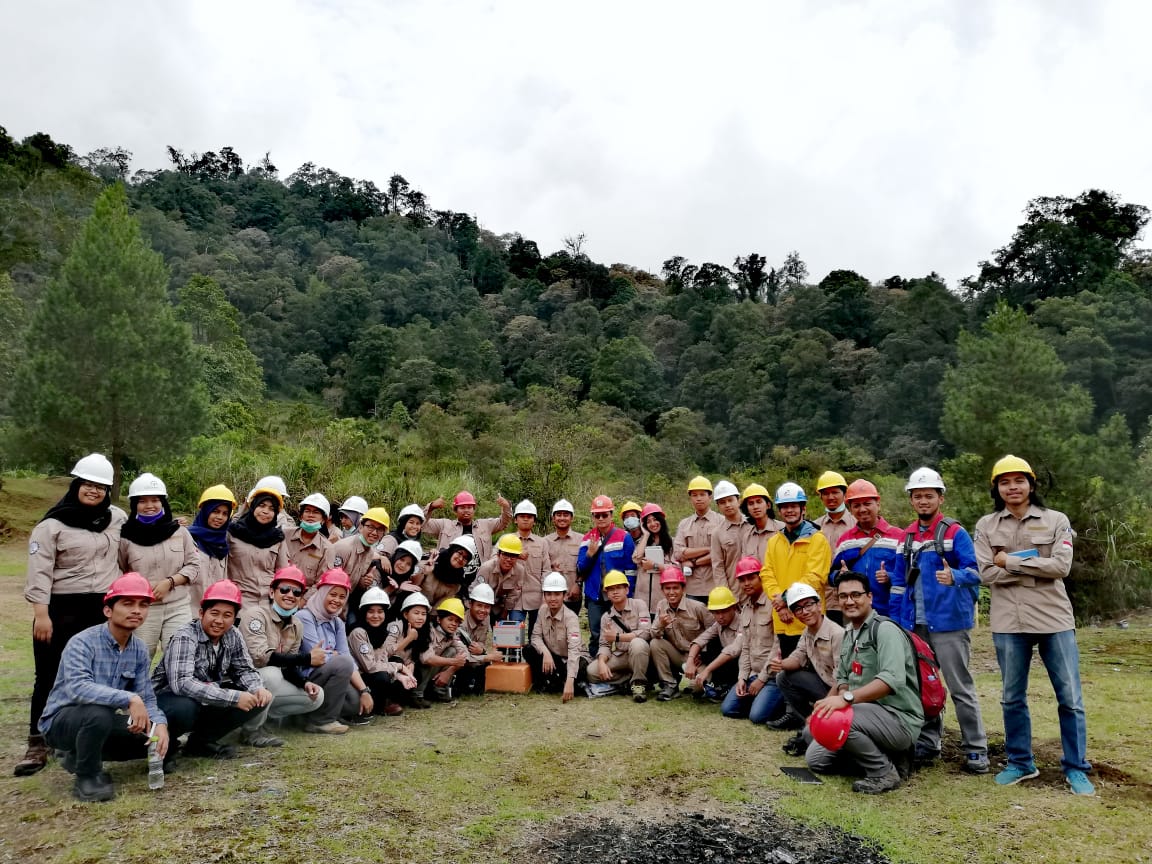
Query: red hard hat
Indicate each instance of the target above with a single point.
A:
(464, 498)
(224, 591)
(832, 731)
(337, 577)
(672, 574)
(602, 503)
(861, 489)
(291, 573)
(651, 508)
(748, 564)
(130, 585)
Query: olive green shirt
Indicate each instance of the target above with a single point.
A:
(883, 652)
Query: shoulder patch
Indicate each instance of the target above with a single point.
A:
(255, 625)
(33, 548)
(338, 561)
(365, 648)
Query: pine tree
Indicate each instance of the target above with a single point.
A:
(107, 366)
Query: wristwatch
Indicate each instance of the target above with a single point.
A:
(848, 696)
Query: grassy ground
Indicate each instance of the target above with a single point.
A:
(479, 780)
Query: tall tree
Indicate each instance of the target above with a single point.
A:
(108, 367)
(231, 371)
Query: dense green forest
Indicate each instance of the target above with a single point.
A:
(355, 339)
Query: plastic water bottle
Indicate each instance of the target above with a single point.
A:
(155, 763)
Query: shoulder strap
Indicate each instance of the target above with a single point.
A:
(941, 529)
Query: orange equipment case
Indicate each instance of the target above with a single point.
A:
(508, 678)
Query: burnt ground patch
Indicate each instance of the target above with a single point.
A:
(757, 837)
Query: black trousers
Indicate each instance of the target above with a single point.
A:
(94, 734)
(206, 724)
(70, 613)
(385, 688)
(724, 677)
(802, 689)
(553, 683)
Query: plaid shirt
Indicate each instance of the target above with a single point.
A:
(191, 668)
(95, 671)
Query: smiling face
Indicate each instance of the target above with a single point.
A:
(91, 494)
(480, 610)
(416, 616)
(808, 611)
(855, 600)
(790, 514)
(562, 519)
(449, 623)
(750, 584)
(926, 502)
(465, 512)
(308, 513)
(729, 506)
(287, 595)
(217, 619)
(149, 505)
(673, 592)
(617, 595)
(372, 532)
(218, 518)
(652, 523)
(460, 558)
(412, 526)
(334, 602)
(554, 600)
(375, 614)
(865, 511)
(757, 507)
(1014, 488)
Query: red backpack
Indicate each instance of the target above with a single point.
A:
(928, 681)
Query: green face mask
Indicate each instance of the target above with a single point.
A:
(309, 527)
(363, 541)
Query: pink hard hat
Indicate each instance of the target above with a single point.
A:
(291, 573)
(130, 585)
(832, 730)
(651, 508)
(224, 591)
(672, 574)
(337, 577)
(464, 498)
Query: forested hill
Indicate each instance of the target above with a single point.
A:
(360, 299)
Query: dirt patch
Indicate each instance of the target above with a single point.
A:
(759, 837)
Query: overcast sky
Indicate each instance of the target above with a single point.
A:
(886, 137)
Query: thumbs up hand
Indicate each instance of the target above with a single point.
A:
(945, 577)
(843, 566)
(882, 575)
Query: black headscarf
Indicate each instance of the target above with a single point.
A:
(149, 534)
(72, 513)
(443, 569)
(213, 542)
(376, 635)
(248, 530)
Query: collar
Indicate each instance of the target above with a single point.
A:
(859, 631)
(106, 635)
(1033, 512)
(930, 528)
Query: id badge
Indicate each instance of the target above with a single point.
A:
(857, 669)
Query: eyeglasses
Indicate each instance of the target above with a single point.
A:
(806, 605)
(601, 515)
(851, 595)
(372, 528)
(286, 590)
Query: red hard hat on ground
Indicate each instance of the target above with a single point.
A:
(337, 577)
(748, 564)
(651, 508)
(601, 504)
(672, 574)
(224, 591)
(861, 489)
(832, 731)
(130, 585)
(291, 573)
(464, 498)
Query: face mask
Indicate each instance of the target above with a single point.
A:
(631, 523)
(283, 613)
(363, 542)
(309, 527)
(148, 520)
(840, 509)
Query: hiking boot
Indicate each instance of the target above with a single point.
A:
(332, 727)
(420, 702)
(35, 757)
(668, 692)
(877, 785)
(260, 738)
(1078, 783)
(924, 757)
(98, 788)
(790, 720)
(976, 763)
(393, 709)
(639, 692)
(1012, 775)
(796, 745)
(209, 750)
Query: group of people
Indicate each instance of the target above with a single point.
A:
(334, 615)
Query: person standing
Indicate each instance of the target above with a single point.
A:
(648, 570)
(728, 538)
(72, 561)
(692, 543)
(761, 524)
(1024, 551)
(480, 530)
(564, 550)
(603, 550)
(308, 548)
(209, 532)
(536, 562)
(356, 554)
(256, 548)
(836, 521)
(872, 547)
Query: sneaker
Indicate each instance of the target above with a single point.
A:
(976, 763)
(795, 746)
(639, 692)
(333, 727)
(98, 788)
(260, 738)
(1079, 783)
(790, 720)
(357, 720)
(1012, 775)
(876, 785)
(667, 693)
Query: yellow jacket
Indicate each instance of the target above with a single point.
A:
(807, 559)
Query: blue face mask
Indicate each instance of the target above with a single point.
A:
(631, 523)
(283, 613)
(148, 520)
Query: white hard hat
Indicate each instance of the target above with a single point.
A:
(464, 541)
(411, 510)
(147, 484)
(95, 468)
(555, 582)
(272, 482)
(925, 478)
(562, 506)
(319, 502)
(416, 599)
(525, 508)
(412, 547)
(800, 591)
(724, 489)
(375, 596)
(356, 504)
(482, 593)
(790, 493)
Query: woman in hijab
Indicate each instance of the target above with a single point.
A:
(256, 547)
(446, 574)
(210, 534)
(157, 547)
(71, 562)
(323, 627)
(387, 679)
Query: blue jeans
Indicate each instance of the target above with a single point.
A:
(1061, 658)
(759, 708)
(596, 610)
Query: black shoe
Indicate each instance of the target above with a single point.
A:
(667, 693)
(98, 788)
(67, 760)
(790, 720)
(420, 702)
(795, 746)
(924, 757)
(878, 785)
(357, 720)
(209, 750)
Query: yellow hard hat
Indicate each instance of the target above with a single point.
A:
(629, 505)
(219, 492)
(699, 483)
(1010, 464)
(378, 515)
(510, 545)
(614, 577)
(452, 606)
(829, 479)
(753, 489)
(265, 490)
(720, 597)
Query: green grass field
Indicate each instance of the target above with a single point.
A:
(479, 780)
